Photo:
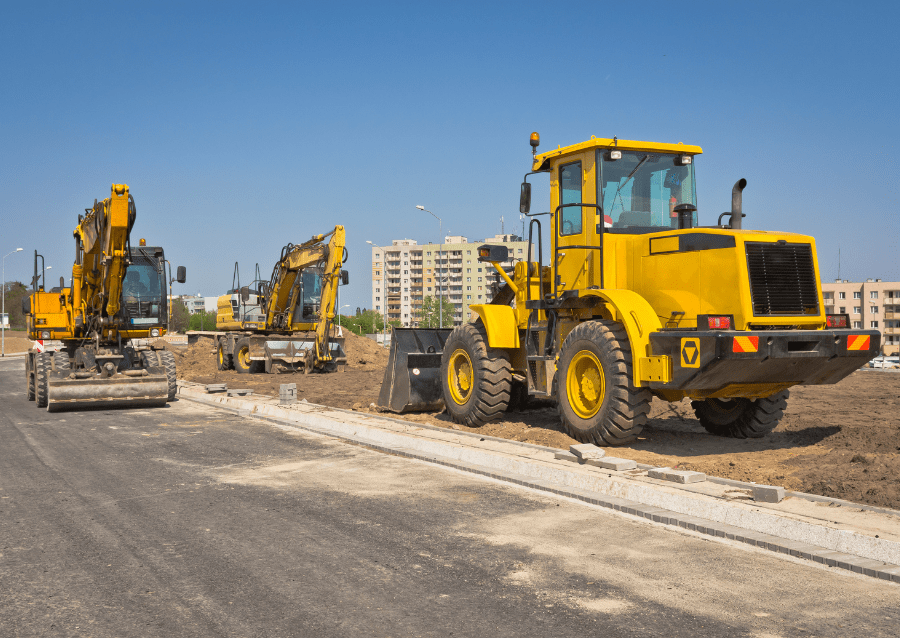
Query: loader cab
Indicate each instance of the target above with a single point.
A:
(605, 191)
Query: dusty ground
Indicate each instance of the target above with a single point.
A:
(838, 440)
(16, 341)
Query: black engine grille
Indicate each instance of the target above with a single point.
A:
(782, 279)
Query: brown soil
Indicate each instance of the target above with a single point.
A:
(15, 341)
(838, 440)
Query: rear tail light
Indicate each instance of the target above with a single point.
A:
(837, 321)
(719, 322)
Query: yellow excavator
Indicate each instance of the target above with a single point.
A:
(106, 319)
(286, 323)
(635, 301)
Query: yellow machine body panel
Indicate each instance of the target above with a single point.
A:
(623, 231)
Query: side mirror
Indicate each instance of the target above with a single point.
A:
(180, 274)
(345, 278)
(245, 293)
(26, 305)
(525, 198)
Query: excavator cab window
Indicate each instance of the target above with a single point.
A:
(142, 294)
(312, 293)
(639, 191)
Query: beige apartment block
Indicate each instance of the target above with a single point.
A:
(871, 304)
(406, 272)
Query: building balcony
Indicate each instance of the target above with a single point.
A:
(891, 331)
(892, 315)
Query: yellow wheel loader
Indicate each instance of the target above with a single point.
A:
(286, 323)
(106, 319)
(636, 301)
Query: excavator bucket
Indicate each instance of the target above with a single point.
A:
(79, 389)
(294, 352)
(412, 380)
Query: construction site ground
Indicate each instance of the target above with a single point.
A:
(841, 441)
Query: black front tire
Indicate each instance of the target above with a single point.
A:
(241, 359)
(168, 361)
(597, 400)
(29, 377)
(476, 379)
(741, 418)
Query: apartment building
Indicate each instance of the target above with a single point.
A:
(872, 304)
(406, 272)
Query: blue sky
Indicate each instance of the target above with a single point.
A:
(240, 127)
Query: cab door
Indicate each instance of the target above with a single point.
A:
(572, 183)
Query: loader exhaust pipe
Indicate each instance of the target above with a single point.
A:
(736, 203)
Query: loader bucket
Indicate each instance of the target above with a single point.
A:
(77, 390)
(412, 380)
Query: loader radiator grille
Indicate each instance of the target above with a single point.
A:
(782, 279)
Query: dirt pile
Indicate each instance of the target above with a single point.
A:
(838, 440)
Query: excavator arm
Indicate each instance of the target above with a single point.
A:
(101, 257)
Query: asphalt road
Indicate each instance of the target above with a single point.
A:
(187, 521)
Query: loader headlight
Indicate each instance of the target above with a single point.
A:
(45, 334)
(154, 332)
(612, 156)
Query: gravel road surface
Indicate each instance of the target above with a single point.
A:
(187, 521)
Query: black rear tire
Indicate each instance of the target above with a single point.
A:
(223, 360)
(741, 418)
(597, 400)
(476, 379)
(61, 361)
(41, 366)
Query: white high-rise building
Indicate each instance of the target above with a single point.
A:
(406, 272)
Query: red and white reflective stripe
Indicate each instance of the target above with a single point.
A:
(745, 344)
(39, 345)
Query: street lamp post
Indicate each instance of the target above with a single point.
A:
(438, 281)
(383, 290)
(346, 305)
(3, 311)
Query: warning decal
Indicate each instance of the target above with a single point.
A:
(858, 342)
(690, 353)
(745, 344)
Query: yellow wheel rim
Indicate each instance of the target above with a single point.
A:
(460, 378)
(244, 356)
(585, 384)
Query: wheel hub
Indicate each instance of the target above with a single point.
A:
(585, 384)
(460, 376)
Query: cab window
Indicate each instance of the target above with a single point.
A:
(639, 192)
(570, 188)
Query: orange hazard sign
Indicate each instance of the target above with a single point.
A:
(745, 344)
(858, 342)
